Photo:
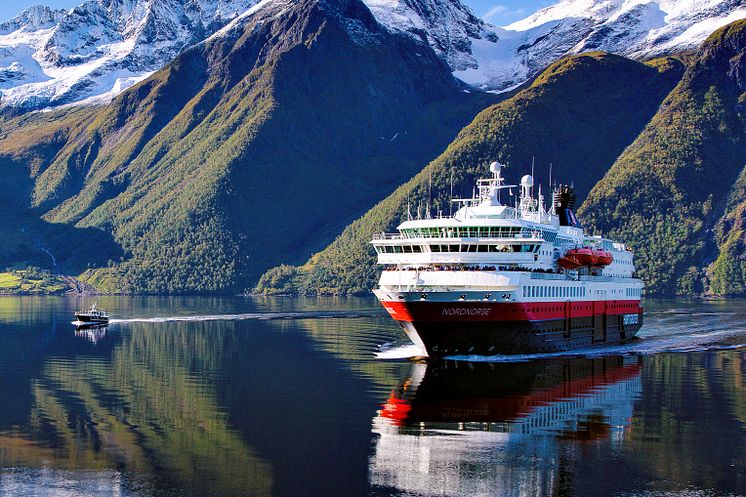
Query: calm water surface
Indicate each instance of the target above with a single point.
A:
(317, 397)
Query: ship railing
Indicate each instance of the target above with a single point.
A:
(387, 236)
(589, 277)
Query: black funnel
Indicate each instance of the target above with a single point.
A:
(564, 203)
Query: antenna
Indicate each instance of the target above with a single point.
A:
(550, 177)
(533, 158)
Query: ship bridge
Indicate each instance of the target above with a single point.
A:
(483, 230)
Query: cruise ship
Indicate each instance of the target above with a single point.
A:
(497, 278)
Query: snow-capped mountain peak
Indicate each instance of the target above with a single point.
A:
(99, 48)
(635, 28)
(92, 52)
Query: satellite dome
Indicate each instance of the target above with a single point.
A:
(495, 166)
(527, 180)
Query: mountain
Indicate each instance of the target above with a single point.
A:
(677, 193)
(638, 29)
(93, 52)
(250, 149)
(578, 115)
(96, 50)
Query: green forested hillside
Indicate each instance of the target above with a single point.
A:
(674, 194)
(250, 149)
(578, 115)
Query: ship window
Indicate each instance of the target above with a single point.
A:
(416, 249)
(407, 249)
(434, 248)
(398, 249)
(453, 248)
(482, 248)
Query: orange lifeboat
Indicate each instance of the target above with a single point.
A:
(584, 256)
(604, 258)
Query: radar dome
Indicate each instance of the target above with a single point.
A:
(527, 180)
(495, 166)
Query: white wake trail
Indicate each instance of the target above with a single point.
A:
(257, 316)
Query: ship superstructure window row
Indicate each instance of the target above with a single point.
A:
(541, 291)
(462, 232)
(479, 232)
(634, 292)
(453, 247)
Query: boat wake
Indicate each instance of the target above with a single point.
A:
(644, 345)
(256, 316)
(402, 351)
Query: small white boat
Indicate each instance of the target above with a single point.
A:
(92, 316)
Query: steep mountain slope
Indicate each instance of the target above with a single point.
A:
(579, 114)
(675, 183)
(727, 275)
(249, 149)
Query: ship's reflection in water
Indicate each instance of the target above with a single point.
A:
(92, 333)
(455, 428)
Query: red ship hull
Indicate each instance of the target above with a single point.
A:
(489, 328)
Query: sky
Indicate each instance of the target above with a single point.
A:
(497, 12)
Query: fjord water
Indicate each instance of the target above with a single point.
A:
(316, 397)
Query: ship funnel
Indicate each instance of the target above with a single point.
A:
(564, 204)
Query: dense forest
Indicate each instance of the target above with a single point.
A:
(656, 151)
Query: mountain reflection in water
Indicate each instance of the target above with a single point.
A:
(287, 397)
